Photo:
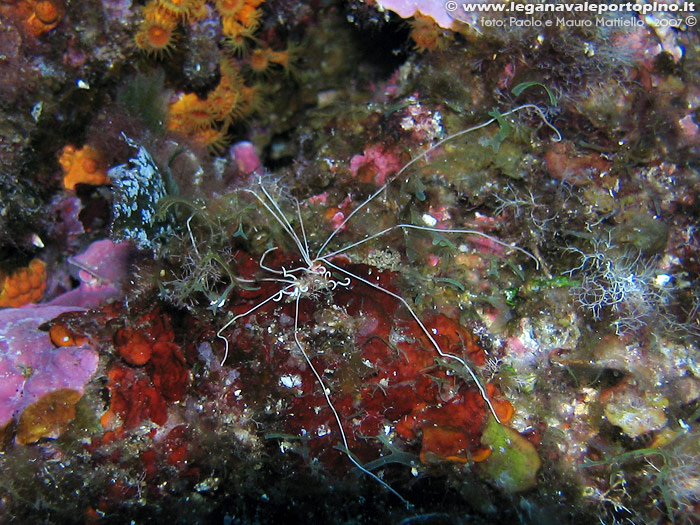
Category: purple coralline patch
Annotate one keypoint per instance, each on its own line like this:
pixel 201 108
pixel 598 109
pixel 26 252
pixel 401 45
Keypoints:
pixel 67 226
pixel 117 9
pixel 31 366
pixel 102 267
pixel 104 260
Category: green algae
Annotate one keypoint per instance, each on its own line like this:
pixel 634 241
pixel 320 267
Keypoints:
pixel 143 96
pixel 514 462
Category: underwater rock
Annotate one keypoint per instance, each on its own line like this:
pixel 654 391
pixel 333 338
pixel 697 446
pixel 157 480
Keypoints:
pixel 635 412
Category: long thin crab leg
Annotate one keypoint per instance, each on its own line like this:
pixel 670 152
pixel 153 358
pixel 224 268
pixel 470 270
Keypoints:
pixel 303 231
pixel 326 394
pixel 285 272
pixel 189 231
pixel 429 229
pixel 277 296
pixel 303 249
pixel 275 211
pixel 427 333
pixel 427 152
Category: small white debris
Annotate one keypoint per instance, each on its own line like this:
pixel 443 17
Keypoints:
pixel 36 241
pixel 429 220
pixel 290 381
pixel 36 110
pixel 662 280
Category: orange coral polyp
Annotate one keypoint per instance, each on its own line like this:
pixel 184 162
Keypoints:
pixel 229 8
pixel 249 17
pixel 200 118
pixel 238 39
pixel 230 74
pixel 199 10
pixel 206 120
pixel 181 9
pixel 425 33
pixel 281 58
pixel 259 60
pixel 222 103
pixel 250 100
pixel 155 38
pixel 153 13
pixel 232 28
pixel 214 139
pixel 158 36
pixel 189 114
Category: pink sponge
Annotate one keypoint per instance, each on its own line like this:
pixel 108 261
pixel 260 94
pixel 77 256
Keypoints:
pixel 407 8
pixel 31 366
pixel 444 13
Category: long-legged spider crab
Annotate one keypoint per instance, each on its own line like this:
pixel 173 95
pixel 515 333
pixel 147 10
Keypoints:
pixel 325 271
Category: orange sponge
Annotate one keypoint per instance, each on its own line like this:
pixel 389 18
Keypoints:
pixel 47 417
pixel 82 166
pixel 46 15
pixel 23 286
pixel 37 16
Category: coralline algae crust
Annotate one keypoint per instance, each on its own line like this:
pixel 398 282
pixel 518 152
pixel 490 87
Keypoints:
pixel 31 367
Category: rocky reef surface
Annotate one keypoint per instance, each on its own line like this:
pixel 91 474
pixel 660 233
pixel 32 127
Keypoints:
pixel 353 262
